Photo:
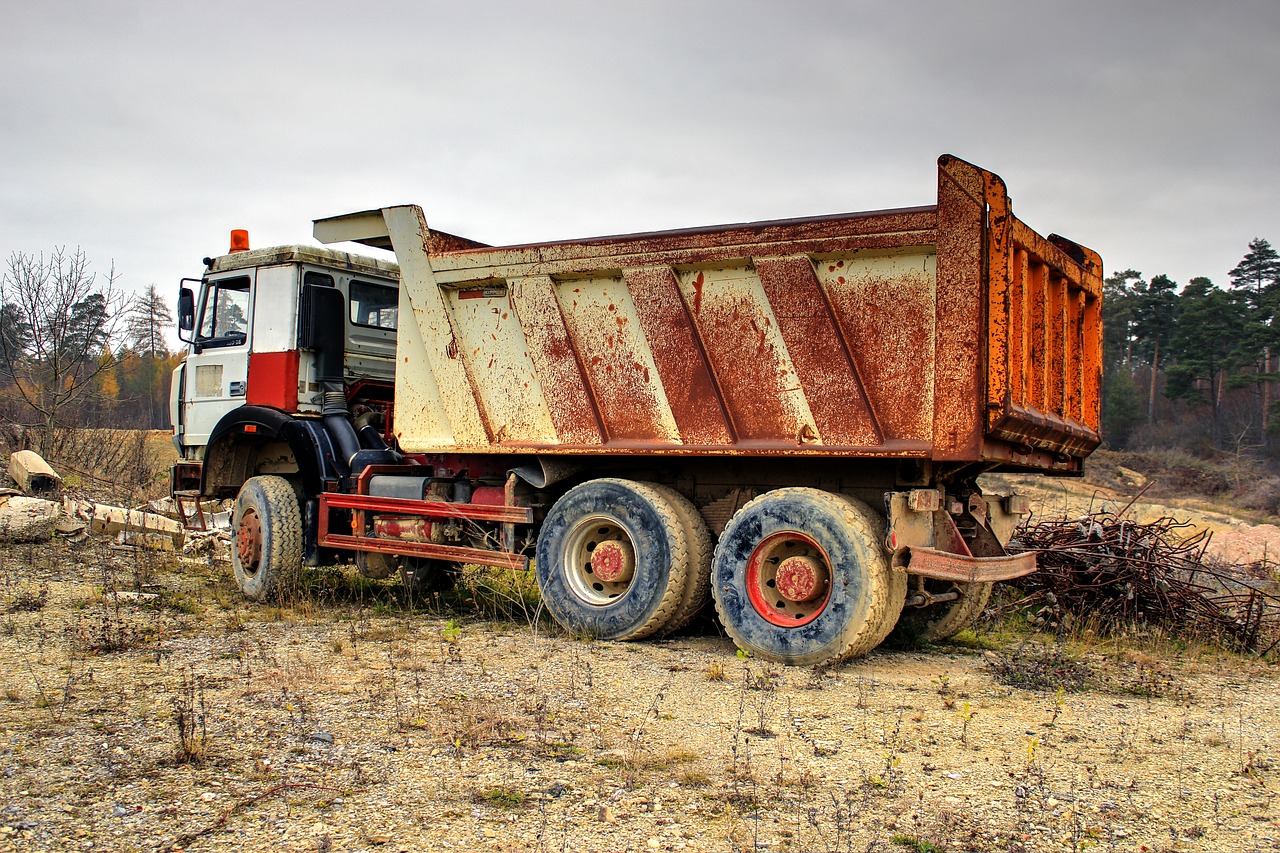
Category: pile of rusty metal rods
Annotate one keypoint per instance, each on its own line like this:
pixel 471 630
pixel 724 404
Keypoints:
pixel 1115 571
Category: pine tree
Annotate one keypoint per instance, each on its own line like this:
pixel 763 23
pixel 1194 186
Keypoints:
pixel 1257 279
pixel 149 317
pixel 1119 393
pixel 1209 344
pixel 1155 318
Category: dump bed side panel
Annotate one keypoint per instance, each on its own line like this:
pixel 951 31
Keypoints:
pixel 950 332
pixel 815 336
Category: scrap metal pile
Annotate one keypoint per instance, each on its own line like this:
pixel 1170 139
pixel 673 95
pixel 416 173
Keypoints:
pixel 1118 572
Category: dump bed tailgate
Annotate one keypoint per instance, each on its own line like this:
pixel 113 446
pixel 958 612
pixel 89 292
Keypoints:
pixel 1044 338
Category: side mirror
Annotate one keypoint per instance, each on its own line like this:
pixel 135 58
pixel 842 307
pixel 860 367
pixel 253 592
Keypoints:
pixel 186 310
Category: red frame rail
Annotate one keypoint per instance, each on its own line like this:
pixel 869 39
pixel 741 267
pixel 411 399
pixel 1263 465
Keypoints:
pixel 362 503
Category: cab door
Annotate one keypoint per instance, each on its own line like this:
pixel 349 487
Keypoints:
pixel 217 363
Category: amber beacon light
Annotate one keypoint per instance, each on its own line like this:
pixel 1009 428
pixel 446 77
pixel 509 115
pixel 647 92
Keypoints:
pixel 239 240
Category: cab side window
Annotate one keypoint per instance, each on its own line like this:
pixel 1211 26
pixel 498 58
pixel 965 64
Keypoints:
pixel 374 305
pixel 224 316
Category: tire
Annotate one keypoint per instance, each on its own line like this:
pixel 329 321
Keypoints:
pixel 375 565
pixel 697 589
pixel 644 582
pixel 921 625
pixel 898 582
pixel 842 586
pixel 421 575
pixel 266 551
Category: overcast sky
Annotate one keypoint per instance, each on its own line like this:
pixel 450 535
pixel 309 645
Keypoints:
pixel 144 131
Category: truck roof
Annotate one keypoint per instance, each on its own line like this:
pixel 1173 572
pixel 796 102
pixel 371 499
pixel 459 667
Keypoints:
pixel 277 255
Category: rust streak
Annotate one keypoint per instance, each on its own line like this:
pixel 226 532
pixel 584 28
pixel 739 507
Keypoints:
pixel 696 401
pixel 572 408
pixel 828 371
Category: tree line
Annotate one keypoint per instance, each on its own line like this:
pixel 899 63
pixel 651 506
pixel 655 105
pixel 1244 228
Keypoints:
pixel 1194 368
pixel 76 352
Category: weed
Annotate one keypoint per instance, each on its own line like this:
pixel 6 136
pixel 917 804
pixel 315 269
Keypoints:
pixel 502 797
pixel 104 626
pixel 189 714
pixel 28 601
pixel 919 845
pixel 1059 703
pixel 498 593
pixel 714 671
pixel 1031 666
pixel 693 778
pixel 971 639
pixel 1145 676
pixel 966 715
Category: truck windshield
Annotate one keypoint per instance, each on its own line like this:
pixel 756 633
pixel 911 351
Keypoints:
pixel 224 317
pixel 374 305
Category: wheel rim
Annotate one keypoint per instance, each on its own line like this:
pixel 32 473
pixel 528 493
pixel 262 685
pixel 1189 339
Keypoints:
pixel 249 542
pixel 600 560
pixel 788 579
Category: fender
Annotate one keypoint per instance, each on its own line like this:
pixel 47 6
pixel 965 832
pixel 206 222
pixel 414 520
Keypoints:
pixel 243 430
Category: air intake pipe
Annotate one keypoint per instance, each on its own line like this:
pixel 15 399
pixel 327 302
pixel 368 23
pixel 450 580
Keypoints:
pixel 336 419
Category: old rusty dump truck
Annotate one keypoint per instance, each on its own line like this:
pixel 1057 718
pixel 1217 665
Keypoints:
pixel 787 417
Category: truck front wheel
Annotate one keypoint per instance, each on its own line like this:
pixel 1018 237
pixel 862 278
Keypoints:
pixel 612 560
pixel 266 550
pixel 800 577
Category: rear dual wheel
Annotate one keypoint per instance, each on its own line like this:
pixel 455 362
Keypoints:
pixel 800 576
pixel 938 622
pixel 613 560
pixel 700 546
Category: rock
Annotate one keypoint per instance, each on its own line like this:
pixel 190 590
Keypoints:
pixel 605 815
pixel 137 597
pixel 25 519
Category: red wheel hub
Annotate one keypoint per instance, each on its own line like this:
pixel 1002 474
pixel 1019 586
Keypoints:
pixel 249 541
pixel 801 579
pixel 611 562
pixel 788 579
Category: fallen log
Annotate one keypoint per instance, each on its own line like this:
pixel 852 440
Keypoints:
pixel 33 475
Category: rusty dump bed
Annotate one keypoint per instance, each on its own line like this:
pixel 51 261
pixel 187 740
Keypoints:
pixel 949 332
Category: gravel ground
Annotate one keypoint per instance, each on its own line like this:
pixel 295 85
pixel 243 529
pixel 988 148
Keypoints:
pixel 194 721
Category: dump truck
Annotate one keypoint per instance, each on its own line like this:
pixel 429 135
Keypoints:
pixel 788 418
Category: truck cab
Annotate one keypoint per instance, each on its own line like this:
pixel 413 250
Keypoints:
pixel 253 346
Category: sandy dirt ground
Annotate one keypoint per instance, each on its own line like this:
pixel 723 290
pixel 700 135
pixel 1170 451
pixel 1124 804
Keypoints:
pixel 192 720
